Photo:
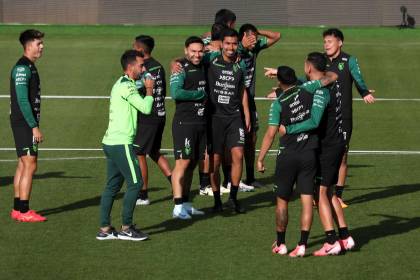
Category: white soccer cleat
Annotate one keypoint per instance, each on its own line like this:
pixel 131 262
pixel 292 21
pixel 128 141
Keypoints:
pixel 179 212
pixel 245 188
pixel 143 202
pixel 224 189
pixel 347 244
pixel 207 191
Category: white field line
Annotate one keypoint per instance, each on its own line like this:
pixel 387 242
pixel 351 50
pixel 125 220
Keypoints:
pixel 356 152
pixel 169 98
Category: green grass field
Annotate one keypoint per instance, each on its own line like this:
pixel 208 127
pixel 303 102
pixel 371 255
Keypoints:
pixel 383 191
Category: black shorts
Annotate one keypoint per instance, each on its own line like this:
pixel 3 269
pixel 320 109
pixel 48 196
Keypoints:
pixel 149 138
pixel 329 160
pixel 347 127
pixel 24 141
pixel 189 141
pixel 227 133
pixel 295 167
pixel 253 113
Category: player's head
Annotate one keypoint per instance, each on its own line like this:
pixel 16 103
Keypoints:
pixel 132 63
pixel 229 39
pixel 248 30
pixel 216 31
pixel 333 41
pixel 315 62
pixel 32 42
pixel 144 43
pixel 226 17
pixel 194 49
pixel 286 76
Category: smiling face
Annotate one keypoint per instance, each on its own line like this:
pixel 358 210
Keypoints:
pixel 229 47
pixel 194 53
pixel 332 46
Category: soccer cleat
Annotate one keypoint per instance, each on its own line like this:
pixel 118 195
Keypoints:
pixel 14 214
pixel 191 210
pixel 328 249
pixel 132 233
pixel 342 203
pixel 224 189
pixel 217 208
pixel 245 188
pixel 207 191
pixel 107 235
pixel 30 217
pixel 255 184
pixel 299 251
pixel 179 212
pixel 143 202
pixel 235 205
pixel 279 250
pixel 347 244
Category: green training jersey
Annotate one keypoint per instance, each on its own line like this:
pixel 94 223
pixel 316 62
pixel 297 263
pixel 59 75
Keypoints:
pixel 124 103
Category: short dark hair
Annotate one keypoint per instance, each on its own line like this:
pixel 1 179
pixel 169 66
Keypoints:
pixel 246 27
pixel 229 32
pixel 318 60
pixel 224 16
pixel 147 42
pixel 334 32
pixel 286 75
pixel 193 40
pixel 128 57
pixel 30 35
pixel 216 31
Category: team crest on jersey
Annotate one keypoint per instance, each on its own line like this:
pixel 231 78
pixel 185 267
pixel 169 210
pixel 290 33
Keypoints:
pixel 341 66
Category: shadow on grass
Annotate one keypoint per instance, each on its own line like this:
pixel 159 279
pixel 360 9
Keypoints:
pixel 384 192
pixel 8 180
pixel 390 225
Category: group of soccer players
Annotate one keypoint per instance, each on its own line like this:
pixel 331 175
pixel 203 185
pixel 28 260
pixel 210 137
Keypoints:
pixel 215 125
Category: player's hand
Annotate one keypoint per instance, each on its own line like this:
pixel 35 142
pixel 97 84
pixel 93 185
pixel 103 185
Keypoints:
pixel 332 76
pixel 247 125
pixel 148 84
pixel 270 72
pixel 211 48
pixel 176 67
pixel 369 99
pixel 260 166
pixel 36 132
pixel 272 95
pixel 282 130
pixel 249 41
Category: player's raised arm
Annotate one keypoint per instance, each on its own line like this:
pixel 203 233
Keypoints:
pixel 272 36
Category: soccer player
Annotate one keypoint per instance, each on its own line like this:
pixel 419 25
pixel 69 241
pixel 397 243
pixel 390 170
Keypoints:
pixel 188 89
pixel 25 105
pixel 225 17
pixel 330 153
pixel 252 42
pixel 117 143
pixel 348 71
pixel 296 160
pixel 228 98
pixel 150 127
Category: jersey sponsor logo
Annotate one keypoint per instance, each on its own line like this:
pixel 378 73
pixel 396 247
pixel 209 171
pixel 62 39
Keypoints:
pixel 226 78
pixel 223 99
pixel 20 69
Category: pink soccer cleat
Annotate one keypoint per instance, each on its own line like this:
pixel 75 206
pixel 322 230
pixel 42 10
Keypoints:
pixel 299 251
pixel 328 249
pixel 347 244
pixel 280 250
pixel 31 217
pixel 14 214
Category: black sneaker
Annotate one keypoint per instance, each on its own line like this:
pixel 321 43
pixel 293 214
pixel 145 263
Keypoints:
pixel 217 208
pixel 107 235
pixel 132 233
pixel 235 205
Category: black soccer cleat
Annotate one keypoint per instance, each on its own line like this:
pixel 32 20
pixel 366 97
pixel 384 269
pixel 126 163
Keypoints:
pixel 236 206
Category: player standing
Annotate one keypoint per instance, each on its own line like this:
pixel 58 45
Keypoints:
pixel 25 112
pixel 122 163
pixel 150 127
pixel 348 71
